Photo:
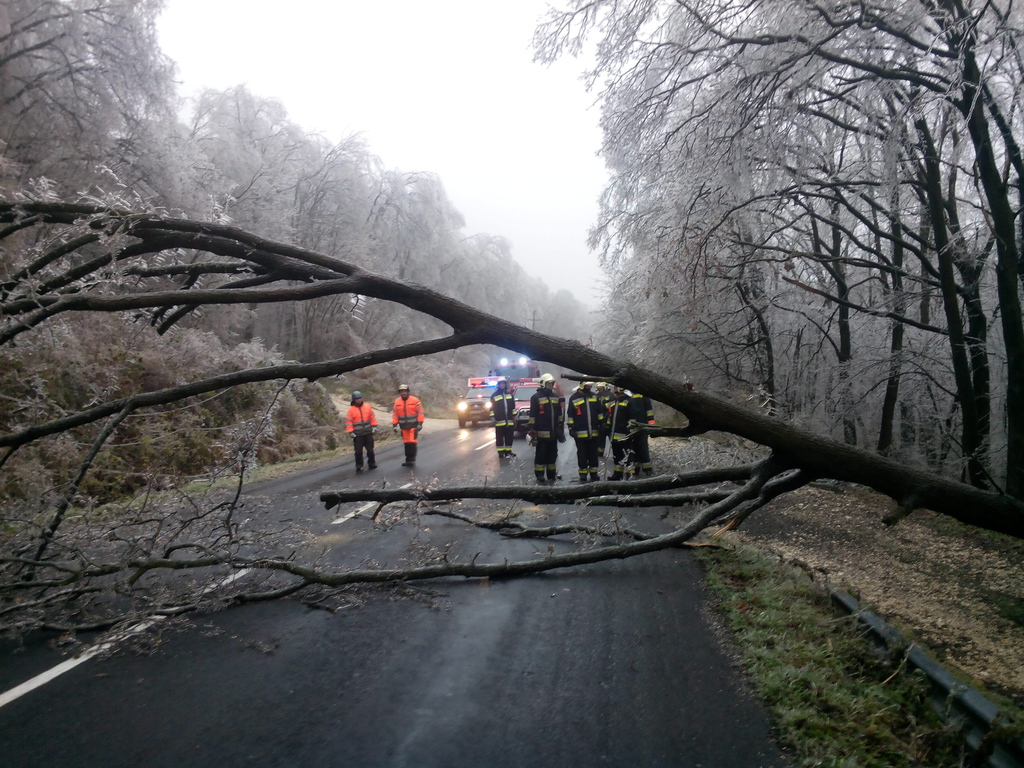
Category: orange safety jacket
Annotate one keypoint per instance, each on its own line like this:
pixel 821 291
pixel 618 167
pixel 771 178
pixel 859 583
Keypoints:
pixel 408 414
pixel 360 419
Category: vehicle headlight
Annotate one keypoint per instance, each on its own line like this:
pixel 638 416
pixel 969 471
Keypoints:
pixel 461 406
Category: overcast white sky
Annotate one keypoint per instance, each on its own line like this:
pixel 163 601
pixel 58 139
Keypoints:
pixel 447 86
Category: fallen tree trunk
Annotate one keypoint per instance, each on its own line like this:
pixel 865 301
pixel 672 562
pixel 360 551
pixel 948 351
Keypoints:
pixel 910 487
pixel 544 495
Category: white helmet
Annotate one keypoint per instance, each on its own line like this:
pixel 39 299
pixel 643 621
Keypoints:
pixel 546 378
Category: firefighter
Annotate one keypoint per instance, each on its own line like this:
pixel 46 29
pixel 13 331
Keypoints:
pixel 546 429
pixel 361 424
pixel 604 396
pixel 408 416
pixel 586 417
pixel 643 413
pixel 504 409
pixel 620 414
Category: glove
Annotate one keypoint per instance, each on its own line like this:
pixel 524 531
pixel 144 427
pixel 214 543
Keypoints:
pixel 373 431
pixel 394 428
pixel 353 436
pixel 419 428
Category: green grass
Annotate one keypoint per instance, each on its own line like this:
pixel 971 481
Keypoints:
pixel 834 699
pixel 1010 607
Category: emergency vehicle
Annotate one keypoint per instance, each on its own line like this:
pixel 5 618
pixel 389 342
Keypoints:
pixel 523 391
pixel 516 371
pixel 476 406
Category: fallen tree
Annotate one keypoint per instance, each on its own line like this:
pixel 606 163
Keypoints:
pixel 103 260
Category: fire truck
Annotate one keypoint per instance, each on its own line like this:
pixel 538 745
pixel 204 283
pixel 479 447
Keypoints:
pixel 515 371
pixel 476 406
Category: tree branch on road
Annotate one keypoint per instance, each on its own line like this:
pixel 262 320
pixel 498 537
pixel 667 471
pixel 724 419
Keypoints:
pixel 124 555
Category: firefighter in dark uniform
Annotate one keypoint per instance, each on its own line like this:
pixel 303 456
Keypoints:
pixel 504 410
pixel 547 428
pixel 604 394
pixel 586 417
pixel 643 413
pixel 620 414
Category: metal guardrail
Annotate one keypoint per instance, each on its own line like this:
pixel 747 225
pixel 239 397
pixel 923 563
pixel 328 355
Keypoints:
pixel 955 701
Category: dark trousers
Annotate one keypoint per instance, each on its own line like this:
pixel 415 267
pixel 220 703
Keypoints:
pixel 642 452
pixel 410 453
pixel 622 455
pixel 546 459
pixel 503 437
pixel 364 441
pixel 587 457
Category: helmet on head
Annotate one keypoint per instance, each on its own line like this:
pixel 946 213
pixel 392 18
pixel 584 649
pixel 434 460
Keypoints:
pixel 403 387
pixel 546 378
pixel 357 395
pixel 587 384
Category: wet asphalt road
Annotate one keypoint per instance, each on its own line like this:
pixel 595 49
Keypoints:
pixel 614 664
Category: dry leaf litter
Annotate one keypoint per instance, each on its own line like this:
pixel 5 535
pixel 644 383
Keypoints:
pixel 956 590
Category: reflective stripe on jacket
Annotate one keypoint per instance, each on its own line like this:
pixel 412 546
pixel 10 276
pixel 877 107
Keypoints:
pixel 643 408
pixel 408 413
pixel 546 414
pixel 620 413
pixel 360 419
pixel 585 415
pixel 504 407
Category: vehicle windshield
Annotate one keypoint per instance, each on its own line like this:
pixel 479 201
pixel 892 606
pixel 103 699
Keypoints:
pixel 481 392
pixel 524 393
pixel 514 372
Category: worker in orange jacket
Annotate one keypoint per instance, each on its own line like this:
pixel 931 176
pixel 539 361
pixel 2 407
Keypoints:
pixel 408 416
pixel 361 423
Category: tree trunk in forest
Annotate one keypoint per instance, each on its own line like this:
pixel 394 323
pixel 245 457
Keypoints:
pixel 886 425
pixel 971 437
pixel 1003 219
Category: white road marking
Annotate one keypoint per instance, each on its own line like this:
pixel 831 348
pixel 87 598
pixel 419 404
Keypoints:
pixel 42 679
pixel 488 444
pixel 52 674
pixel 363 508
